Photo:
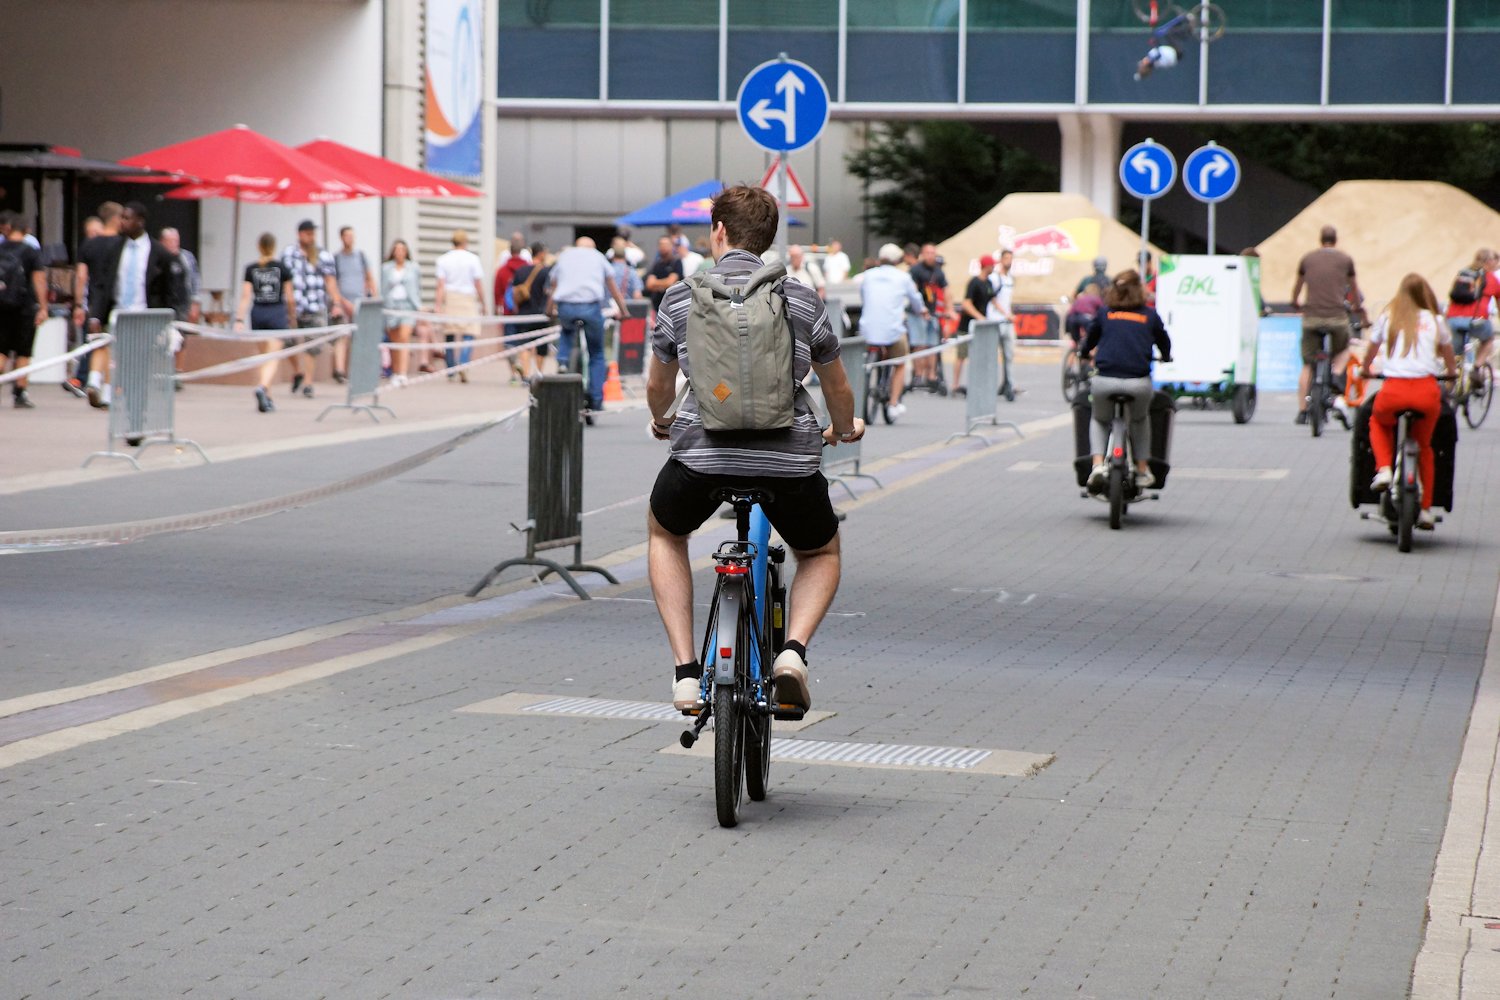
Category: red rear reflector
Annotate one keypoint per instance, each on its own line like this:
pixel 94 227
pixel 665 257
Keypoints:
pixel 725 652
pixel 1119 453
pixel 732 570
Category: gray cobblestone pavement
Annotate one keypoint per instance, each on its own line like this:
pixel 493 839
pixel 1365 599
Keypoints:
pixel 1256 705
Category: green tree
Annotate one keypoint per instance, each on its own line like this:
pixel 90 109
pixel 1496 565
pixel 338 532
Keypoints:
pixel 1464 154
pixel 930 179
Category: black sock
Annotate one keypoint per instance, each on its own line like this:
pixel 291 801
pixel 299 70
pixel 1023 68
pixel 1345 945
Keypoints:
pixel 797 648
pixel 689 671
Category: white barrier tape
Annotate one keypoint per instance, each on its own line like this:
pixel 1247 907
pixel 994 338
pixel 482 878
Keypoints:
pixel 450 319
pixel 36 366
pixel 922 353
pixel 221 333
pixel 256 360
pixel 44 540
pixel 449 345
pixel 407 383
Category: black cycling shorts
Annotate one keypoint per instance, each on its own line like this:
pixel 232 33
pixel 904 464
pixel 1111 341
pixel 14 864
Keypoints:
pixel 17 332
pixel 800 510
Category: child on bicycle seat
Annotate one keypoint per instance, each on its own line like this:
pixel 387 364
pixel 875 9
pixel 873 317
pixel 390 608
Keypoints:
pixel 1123 333
pixel 786 462
pixel 1417 348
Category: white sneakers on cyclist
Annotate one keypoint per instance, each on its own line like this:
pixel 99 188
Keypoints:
pixel 896 411
pixel 1144 480
pixel 687 694
pixel 1097 475
pixel 789 673
pixel 1382 480
pixel 1426 519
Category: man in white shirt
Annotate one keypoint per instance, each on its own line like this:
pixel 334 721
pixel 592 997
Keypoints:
pixel 692 261
pixel 887 294
pixel 460 292
pixel 836 263
pixel 580 281
pixel 1004 286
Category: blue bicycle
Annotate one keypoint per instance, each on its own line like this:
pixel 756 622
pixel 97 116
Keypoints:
pixel 746 629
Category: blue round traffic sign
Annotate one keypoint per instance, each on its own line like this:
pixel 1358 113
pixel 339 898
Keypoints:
pixel 1211 173
pixel 1147 170
pixel 783 105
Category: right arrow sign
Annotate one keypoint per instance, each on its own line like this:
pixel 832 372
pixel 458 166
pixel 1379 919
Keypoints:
pixel 1211 173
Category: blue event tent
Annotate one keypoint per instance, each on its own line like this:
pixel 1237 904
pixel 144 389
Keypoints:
pixel 688 207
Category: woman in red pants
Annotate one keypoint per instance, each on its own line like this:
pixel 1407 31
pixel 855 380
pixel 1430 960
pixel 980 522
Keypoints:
pixel 1414 346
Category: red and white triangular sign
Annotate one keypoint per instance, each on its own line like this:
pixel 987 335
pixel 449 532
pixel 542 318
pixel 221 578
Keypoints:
pixel 795 196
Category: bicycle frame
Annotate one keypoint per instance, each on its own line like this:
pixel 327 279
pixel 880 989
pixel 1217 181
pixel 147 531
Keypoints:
pixel 739 580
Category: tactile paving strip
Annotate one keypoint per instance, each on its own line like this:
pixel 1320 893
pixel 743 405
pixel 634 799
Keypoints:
pixel 604 708
pixel 955 758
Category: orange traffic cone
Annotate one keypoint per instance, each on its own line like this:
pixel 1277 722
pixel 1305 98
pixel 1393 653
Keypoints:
pixel 612 391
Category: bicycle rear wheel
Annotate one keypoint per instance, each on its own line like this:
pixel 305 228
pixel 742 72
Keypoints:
pixel 1210 18
pixel 1116 495
pixel 872 391
pixel 729 752
pixel 1480 390
pixel 1406 502
pixel 758 725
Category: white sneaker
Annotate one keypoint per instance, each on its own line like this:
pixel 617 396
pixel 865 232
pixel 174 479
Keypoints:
pixel 1144 480
pixel 687 694
pixel 1426 519
pixel 896 411
pixel 789 673
pixel 1382 481
pixel 1097 475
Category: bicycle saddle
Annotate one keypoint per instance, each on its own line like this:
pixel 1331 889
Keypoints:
pixel 737 496
pixel 1121 397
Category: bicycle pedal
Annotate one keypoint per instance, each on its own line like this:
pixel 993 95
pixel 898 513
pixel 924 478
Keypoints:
pixel 788 713
pixel 691 711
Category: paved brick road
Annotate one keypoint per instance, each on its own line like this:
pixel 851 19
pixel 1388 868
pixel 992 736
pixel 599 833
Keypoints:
pixel 1256 705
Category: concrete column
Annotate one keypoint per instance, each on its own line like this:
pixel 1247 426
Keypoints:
pixel 1104 151
pixel 1090 154
pixel 425 224
pixel 1076 164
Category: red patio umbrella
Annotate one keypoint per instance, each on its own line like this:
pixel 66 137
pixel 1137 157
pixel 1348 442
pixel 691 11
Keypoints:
pixel 242 164
pixel 387 177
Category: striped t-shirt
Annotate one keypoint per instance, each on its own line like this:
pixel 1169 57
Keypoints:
pixel 793 452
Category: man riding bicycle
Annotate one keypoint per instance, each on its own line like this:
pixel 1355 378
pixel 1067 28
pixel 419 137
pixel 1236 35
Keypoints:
pixel 783 463
pixel 1328 275
pixel 887 294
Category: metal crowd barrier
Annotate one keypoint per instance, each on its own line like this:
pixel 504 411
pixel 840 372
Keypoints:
pixel 143 374
pixel 364 362
pixel 554 483
pixel 984 381
pixel 841 464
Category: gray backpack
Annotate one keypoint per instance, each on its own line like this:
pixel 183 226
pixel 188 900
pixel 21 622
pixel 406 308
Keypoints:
pixel 740 350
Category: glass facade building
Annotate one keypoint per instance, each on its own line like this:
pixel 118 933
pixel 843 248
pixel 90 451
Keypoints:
pixel 1370 57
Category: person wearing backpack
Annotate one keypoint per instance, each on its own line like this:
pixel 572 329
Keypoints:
pixel 743 316
pixel 1469 304
pixel 23 304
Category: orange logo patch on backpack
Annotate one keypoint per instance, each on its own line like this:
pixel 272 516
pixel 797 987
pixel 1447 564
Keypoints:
pixel 722 392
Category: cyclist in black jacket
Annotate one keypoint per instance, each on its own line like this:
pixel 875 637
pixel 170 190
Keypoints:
pixel 1123 333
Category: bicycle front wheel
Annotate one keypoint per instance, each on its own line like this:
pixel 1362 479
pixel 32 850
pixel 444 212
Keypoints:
pixel 1480 390
pixel 729 752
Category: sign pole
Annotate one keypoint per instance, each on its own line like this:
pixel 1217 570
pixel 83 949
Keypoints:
pixel 782 166
pixel 1140 260
pixel 1213 243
